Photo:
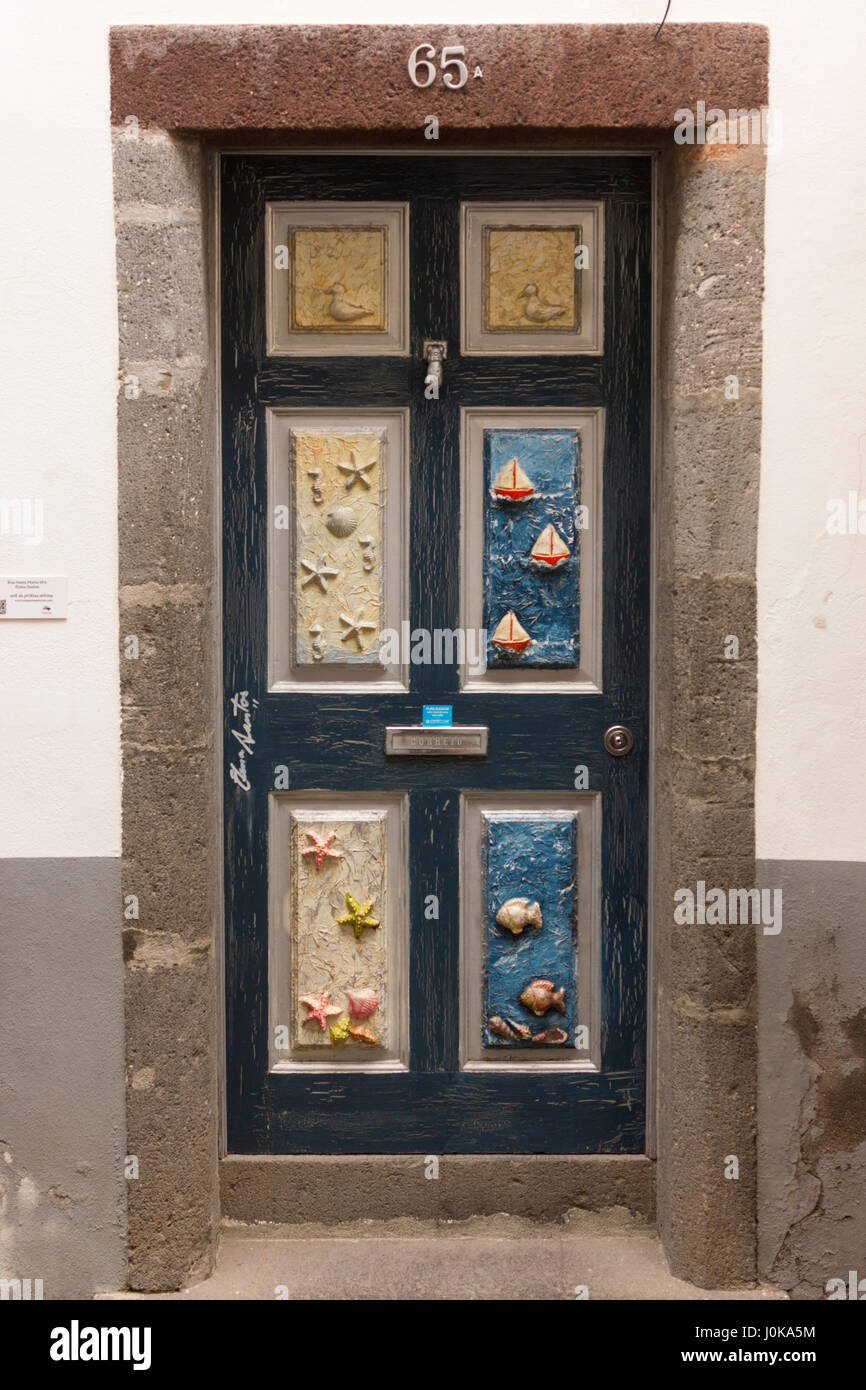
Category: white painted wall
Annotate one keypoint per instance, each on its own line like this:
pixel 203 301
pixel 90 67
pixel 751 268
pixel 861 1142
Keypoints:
pixel 60 769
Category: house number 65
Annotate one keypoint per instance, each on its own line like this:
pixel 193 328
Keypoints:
pixel 451 58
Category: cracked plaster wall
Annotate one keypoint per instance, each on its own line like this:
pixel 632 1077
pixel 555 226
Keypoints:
pixel 812 1078
pixel 62 1185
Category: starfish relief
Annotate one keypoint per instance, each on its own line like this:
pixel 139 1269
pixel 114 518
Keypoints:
pixel 321 848
pixel 358 916
pixel 355 626
pixel 320 1007
pixel 318 574
pixel 357 472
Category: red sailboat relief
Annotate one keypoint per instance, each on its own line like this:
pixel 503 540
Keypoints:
pixel 509 634
pixel 550 549
pixel 512 484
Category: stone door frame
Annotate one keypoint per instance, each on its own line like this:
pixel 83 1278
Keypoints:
pixel 179 94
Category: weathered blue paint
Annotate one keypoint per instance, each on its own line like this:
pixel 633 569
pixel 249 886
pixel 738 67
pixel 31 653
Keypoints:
pixel 534 857
pixel 546 601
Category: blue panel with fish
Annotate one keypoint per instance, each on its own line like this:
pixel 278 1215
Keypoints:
pixel 531 960
pixel 531 549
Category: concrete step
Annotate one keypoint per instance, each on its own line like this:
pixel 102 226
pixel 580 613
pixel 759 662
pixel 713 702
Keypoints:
pixel 610 1254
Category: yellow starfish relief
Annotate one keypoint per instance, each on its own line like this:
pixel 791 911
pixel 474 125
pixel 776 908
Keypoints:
pixel 358 917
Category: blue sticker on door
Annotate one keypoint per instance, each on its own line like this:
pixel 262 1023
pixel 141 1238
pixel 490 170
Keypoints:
pixel 530 980
pixel 532 519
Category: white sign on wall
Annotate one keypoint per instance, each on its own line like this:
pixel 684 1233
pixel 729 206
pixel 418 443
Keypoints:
pixel 32 596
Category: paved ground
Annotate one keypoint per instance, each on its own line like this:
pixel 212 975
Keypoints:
pixel 610 1255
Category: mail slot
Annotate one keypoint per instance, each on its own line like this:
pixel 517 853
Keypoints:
pixel 414 741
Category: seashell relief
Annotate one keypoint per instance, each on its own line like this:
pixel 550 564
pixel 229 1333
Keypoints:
pixel 342 521
pixel 362 1002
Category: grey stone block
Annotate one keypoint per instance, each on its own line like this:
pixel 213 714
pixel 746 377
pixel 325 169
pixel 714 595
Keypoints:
pixel 166 489
pixel 171 1108
pixel 168 849
pixel 161 292
pixel 714 279
pixel 709 830
pixel 166 692
pixel 157 168
pixel 713 715
pixel 706 1115
pixel 711 496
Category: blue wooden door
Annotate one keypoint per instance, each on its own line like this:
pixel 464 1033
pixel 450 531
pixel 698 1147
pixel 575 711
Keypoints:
pixel 436 444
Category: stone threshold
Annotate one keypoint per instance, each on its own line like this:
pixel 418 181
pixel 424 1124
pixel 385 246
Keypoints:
pixel 333 1189
pixel 608 1255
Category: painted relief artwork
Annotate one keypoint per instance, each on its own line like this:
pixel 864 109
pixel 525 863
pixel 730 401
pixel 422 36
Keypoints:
pixel 340 985
pixel 529 279
pixel 530 994
pixel 531 547
pixel 339 497
pixel 337 281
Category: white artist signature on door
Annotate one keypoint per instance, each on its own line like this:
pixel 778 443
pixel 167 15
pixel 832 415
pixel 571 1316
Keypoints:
pixel 242 709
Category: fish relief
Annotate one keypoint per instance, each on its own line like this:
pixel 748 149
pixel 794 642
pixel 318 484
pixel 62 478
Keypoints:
pixel 518 913
pixel 541 996
pixel 512 484
pixel 550 550
pixel 510 635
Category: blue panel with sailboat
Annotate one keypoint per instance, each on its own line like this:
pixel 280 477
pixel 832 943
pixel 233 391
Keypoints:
pixel 531 547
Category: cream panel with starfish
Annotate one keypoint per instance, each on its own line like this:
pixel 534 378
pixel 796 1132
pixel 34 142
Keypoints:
pixel 339 481
pixel 339 935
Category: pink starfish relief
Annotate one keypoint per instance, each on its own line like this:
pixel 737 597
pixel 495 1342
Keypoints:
pixel 320 1008
pixel 322 848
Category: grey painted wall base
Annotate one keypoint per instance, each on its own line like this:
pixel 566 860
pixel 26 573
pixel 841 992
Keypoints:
pixel 334 1189
pixel 812 1078
pixel 62 1189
